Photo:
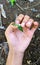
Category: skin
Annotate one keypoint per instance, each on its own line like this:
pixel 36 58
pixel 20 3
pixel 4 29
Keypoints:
pixel 17 40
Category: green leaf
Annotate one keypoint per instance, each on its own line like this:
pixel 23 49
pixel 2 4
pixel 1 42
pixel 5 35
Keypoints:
pixel 12 2
pixel 19 27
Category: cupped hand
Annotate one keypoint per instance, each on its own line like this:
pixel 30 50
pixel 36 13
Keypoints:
pixel 17 39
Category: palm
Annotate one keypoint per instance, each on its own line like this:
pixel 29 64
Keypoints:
pixel 20 40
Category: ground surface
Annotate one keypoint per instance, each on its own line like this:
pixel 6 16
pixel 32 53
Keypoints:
pixel 32 54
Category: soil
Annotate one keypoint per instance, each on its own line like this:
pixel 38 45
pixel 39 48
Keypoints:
pixel 32 54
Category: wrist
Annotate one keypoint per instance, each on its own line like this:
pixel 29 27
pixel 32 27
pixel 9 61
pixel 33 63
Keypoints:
pixel 17 57
pixel 16 53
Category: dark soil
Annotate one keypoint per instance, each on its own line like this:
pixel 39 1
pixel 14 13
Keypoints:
pixel 32 54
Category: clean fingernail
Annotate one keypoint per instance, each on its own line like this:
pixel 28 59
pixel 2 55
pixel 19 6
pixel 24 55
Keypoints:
pixel 17 22
pixel 23 24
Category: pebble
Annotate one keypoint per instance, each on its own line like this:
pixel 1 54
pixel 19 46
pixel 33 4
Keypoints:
pixel 31 1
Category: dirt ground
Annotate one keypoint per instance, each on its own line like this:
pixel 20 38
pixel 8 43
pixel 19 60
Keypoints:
pixel 32 54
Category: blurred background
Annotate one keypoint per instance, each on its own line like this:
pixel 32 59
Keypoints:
pixel 8 13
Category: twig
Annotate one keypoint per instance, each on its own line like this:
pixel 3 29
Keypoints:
pixel 19 7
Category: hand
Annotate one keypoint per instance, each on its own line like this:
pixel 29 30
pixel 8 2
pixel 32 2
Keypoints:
pixel 17 39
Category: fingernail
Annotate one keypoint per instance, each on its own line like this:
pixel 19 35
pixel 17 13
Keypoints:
pixel 23 24
pixel 17 22
pixel 28 24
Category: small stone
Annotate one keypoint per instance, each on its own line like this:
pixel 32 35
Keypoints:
pixel 38 28
pixel 38 16
pixel 28 61
pixel 31 1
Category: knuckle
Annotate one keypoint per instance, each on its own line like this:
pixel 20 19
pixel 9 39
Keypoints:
pixel 26 16
pixel 31 19
pixel 21 15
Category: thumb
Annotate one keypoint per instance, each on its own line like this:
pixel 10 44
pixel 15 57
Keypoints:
pixel 10 29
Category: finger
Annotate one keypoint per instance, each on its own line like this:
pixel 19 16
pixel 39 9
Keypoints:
pixel 26 18
pixel 35 26
pixel 29 23
pixel 19 19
